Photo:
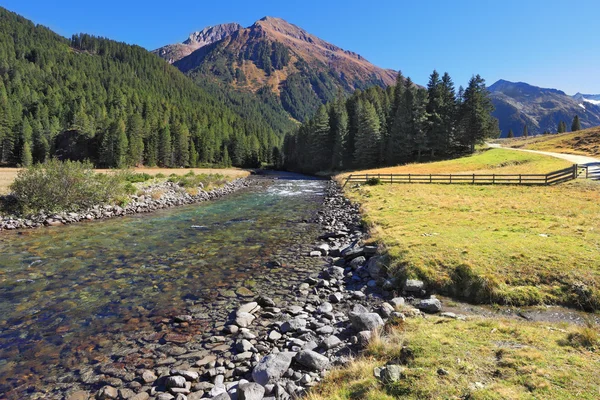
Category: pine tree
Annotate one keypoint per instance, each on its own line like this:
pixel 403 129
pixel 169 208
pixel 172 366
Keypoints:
pixel 164 147
pixel 339 127
pixel 435 130
pixel 366 150
pixel 476 122
pixel 319 153
pixel 135 139
pixel 448 113
pixel 511 134
pixel 525 131
pixel 181 140
pixel 562 127
pixel 114 146
pixel 576 125
pixel 193 155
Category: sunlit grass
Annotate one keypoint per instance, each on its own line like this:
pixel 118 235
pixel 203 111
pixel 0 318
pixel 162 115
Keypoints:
pixel 585 142
pixel 480 359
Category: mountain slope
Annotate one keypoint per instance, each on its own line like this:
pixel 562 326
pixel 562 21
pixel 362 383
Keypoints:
pixel 519 104
pixel 113 103
pixel 301 69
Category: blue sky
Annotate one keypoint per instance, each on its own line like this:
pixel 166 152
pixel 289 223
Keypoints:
pixel 550 43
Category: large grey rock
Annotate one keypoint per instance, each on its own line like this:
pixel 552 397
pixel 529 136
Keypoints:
pixel 107 392
pixel 413 286
pixel 272 367
pixel 386 309
pixel 357 262
pixel 293 324
pixel 397 301
pixel 175 382
pixel 221 396
pixel 251 308
pixel 312 360
pixel 365 321
pixel 325 307
pixel 330 342
pixel 322 248
pixel 250 391
pixel 244 319
pixel 430 305
pixel 392 373
pixel 375 268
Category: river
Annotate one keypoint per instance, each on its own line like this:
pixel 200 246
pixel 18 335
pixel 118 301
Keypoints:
pixel 68 294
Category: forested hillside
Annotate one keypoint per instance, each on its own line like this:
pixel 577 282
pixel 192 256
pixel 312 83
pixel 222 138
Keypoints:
pixel 115 104
pixel 403 123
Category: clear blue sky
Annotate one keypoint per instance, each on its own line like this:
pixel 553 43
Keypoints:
pixel 549 43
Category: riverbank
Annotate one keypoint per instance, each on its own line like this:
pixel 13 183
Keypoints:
pixel 150 198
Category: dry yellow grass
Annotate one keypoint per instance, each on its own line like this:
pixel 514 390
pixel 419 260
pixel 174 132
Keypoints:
pixel 7 176
pixel 585 142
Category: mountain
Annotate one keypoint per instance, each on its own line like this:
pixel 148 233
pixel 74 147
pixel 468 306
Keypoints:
pixel 209 35
pixel 519 104
pixel 115 104
pixel 302 70
pixel 588 98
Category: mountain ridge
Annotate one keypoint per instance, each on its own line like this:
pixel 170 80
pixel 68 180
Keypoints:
pixel 540 109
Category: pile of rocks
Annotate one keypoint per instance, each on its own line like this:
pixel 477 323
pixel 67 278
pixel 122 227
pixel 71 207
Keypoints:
pixel 269 350
pixel 155 197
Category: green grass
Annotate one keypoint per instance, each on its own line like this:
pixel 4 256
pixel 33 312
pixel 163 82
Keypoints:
pixel 483 358
pixel 493 161
pixel 494 244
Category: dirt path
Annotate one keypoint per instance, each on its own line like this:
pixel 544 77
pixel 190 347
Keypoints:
pixel 592 163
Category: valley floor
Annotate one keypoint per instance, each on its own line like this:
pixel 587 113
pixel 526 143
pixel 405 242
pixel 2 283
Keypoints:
pixel 489 244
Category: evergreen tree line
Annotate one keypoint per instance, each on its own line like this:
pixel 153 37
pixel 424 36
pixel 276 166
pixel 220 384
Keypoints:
pixel 114 104
pixel 400 124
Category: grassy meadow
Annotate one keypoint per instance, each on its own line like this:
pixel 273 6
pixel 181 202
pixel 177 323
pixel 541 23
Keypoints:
pixel 585 142
pixel 477 358
pixel 516 245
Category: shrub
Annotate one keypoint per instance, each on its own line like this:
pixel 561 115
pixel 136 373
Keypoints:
pixel 70 185
pixel 373 181
pixel 160 175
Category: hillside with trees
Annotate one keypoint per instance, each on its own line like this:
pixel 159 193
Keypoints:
pixel 116 105
pixel 400 124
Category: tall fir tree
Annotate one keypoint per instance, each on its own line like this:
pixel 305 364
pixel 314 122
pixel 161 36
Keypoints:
pixel 435 129
pixel 576 125
pixel 476 122
pixel 165 156
pixel 511 134
pixel 339 127
pixel 525 131
pixel 368 136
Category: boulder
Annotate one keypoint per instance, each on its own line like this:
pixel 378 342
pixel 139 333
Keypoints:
pixel 293 324
pixel 312 360
pixel 272 367
pixel 244 319
pixel 386 309
pixel 330 342
pixel 107 392
pixel 357 262
pixel 325 307
pixel 175 382
pixel 250 391
pixel 362 320
pixel 392 373
pixel 432 305
pixel 413 286
pixel 322 248
pixel 251 308
pixel 397 302
pixel 375 268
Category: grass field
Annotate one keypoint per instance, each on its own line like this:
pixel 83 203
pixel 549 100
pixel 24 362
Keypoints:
pixel 480 358
pixel 496 161
pixel 506 244
pixel 7 175
pixel 585 142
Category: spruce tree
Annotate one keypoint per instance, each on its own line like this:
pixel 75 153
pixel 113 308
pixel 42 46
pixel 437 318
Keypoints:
pixel 525 131
pixel 135 139
pixel 366 151
pixel 319 153
pixel 164 147
pixel 576 125
pixel 562 127
pixel 511 134
pixel 26 157
pixel 339 126
pixel 193 155
pixel 448 113
pixel 476 122
pixel 435 130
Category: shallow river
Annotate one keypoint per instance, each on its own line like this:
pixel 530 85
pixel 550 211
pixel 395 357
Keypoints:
pixel 62 289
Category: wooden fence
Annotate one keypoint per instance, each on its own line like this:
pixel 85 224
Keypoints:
pixel 551 178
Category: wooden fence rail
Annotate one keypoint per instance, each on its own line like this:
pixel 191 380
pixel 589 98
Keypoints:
pixel 551 178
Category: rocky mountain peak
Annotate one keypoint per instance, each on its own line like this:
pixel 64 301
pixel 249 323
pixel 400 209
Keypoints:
pixel 212 34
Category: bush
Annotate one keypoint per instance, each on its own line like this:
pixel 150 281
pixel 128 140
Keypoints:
pixel 373 181
pixel 70 185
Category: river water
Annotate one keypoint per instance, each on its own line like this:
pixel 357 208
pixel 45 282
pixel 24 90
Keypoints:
pixel 67 292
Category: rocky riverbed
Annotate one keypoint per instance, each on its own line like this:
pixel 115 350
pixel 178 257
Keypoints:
pixel 275 345
pixel 153 198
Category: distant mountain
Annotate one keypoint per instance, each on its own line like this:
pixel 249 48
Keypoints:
pixel 588 98
pixel 519 104
pixel 303 70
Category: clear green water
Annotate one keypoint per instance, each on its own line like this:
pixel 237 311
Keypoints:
pixel 59 287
